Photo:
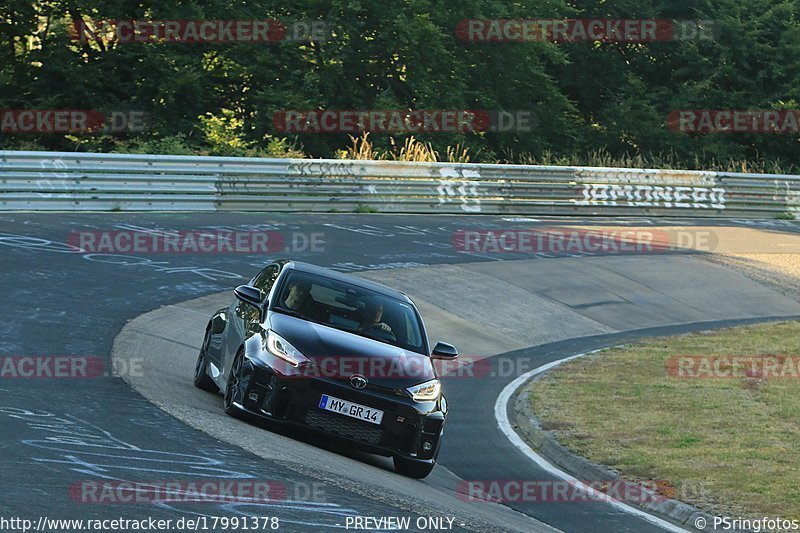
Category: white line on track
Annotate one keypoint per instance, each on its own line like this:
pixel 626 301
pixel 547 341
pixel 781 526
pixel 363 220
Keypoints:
pixel 501 415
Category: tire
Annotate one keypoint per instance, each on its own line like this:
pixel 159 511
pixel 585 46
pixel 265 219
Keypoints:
pixel 412 469
pixel 236 387
pixel 201 378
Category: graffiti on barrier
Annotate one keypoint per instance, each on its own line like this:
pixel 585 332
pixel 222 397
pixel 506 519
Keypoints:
pixel 653 196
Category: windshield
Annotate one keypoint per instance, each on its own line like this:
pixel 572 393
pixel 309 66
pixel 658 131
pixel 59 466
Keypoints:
pixel 353 309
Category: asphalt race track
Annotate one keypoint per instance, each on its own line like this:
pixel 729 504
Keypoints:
pixel 60 300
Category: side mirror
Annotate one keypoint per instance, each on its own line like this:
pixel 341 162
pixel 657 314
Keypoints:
pixel 248 294
pixel 442 350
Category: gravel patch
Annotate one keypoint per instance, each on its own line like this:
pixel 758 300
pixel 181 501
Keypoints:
pixel 778 271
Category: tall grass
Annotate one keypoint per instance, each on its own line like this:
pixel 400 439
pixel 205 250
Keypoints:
pixel 408 148
pixel 668 160
pixel 412 150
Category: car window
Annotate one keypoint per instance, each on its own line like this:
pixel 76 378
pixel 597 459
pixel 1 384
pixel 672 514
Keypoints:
pixel 411 325
pixel 266 278
pixel 352 308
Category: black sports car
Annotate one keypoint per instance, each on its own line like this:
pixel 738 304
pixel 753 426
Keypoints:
pixel 309 347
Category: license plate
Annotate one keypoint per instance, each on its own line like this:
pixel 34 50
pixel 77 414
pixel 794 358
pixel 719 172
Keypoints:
pixel 353 410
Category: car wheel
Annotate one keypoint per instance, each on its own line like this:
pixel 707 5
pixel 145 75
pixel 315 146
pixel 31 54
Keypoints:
pixel 201 378
pixel 236 387
pixel 411 468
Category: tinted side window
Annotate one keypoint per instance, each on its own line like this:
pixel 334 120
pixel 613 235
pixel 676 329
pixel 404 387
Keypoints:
pixel 266 278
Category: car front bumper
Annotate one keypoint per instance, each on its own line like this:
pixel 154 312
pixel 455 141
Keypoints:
pixel 408 429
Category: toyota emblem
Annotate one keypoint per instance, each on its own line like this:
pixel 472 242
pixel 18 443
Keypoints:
pixel 358 382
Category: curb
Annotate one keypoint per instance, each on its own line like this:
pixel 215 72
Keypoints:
pixel 528 427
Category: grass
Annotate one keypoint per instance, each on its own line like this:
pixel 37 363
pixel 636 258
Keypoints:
pixel 668 160
pixel 365 209
pixel 223 136
pixel 726 445
pixel 412 150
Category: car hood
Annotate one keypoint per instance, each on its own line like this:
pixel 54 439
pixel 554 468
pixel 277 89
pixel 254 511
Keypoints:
pixel 339 355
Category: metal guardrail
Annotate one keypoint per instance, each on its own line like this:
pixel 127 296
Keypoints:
pixel 54 181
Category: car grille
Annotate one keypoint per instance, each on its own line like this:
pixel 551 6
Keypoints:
pixel 342 426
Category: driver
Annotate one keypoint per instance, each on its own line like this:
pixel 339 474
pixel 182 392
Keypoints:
pixel 373 312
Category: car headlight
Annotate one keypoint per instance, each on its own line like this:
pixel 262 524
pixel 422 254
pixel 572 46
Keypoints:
pixel 427 391
pixel 280 347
